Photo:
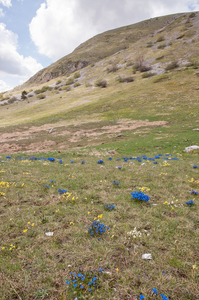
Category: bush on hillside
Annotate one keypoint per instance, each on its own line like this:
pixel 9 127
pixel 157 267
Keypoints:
pixel 76 75
pixel 172 65
pixel 58 82
pixel 76 84
pixel 12 100
pixel 69 81
pixel 101 83
pixel 24 95
pixel 112 68
pixel 126 79
pixel 160 39
pixel 162 46
pixel 40 97
pixel 43 90
pixel 149 74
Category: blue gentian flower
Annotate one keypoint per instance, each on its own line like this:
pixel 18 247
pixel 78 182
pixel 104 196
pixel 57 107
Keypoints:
pixel 51 159
pixel 190 203
pixel 155 291
pixel 194 192
pixel 140 196
pixel 100 161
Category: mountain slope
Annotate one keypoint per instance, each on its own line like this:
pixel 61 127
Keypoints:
pixel 104 45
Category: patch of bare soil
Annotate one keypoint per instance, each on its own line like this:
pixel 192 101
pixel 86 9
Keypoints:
pixel 123 125
pixel 93 134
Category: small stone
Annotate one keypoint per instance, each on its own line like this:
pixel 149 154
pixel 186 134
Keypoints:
pixel 146 256
pixel 51 130
pixel 191 148
pixel 49 233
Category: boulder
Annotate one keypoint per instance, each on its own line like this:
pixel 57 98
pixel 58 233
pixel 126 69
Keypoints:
pixel 191 148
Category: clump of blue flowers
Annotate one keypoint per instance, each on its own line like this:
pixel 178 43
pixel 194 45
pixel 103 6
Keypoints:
pixel 163 297
pixel 100 161
pixel 116 182
pixel 62 191
pixel 109 206
pixel 97 228
pixel 140 196
pixel 51 159
pixel 190 203
pixel 84 282
pixel 194 192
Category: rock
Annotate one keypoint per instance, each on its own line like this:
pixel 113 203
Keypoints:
pixel 146 256
pixel 112 152
pixel 51 130
pixel 191 148
pixel 49 233
pixel 196 129
pixel 120 135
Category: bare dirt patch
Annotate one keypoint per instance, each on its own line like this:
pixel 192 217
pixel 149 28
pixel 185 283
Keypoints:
pixel 123 125
pixel 8 145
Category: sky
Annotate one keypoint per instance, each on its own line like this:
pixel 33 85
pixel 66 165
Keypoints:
pixel 36 33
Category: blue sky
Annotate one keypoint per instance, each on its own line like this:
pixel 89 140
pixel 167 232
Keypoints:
pixel 36 33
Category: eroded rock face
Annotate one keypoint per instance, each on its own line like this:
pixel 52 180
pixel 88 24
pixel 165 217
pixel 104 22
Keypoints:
pixel 191 148
pixel 69 67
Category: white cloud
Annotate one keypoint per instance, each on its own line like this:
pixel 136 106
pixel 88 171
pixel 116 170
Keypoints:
pixel 11 62
pixel 4 86
pixel 61 25
pixel 6 3
pixel 1 12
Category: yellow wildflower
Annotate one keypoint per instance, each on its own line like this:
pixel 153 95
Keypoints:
pixel 25 230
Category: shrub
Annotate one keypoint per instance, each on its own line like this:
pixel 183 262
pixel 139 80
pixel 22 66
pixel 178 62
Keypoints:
pixel 12 100
pixel 129 64
pixel 76 84
pixel 140 66
pixel 160 57
pixel 138 62
pixel 192 15
pixel 162 46
pixel 161 79
pixel 92 65
pixel 146 75
pixel 88 84
pixel 160 39
pixel 24 95
pixel 172 65
pixel 69 81
pixel 41 96
pixel 126 79
pixel 101 83
pixel 144 68
pixel 149 44
pixel 113 68
pixel 58 82
pixel 76 75
pixel 66 88
pixel 43 90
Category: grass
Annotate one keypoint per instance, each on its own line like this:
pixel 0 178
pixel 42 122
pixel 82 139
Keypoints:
pixel 34 265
